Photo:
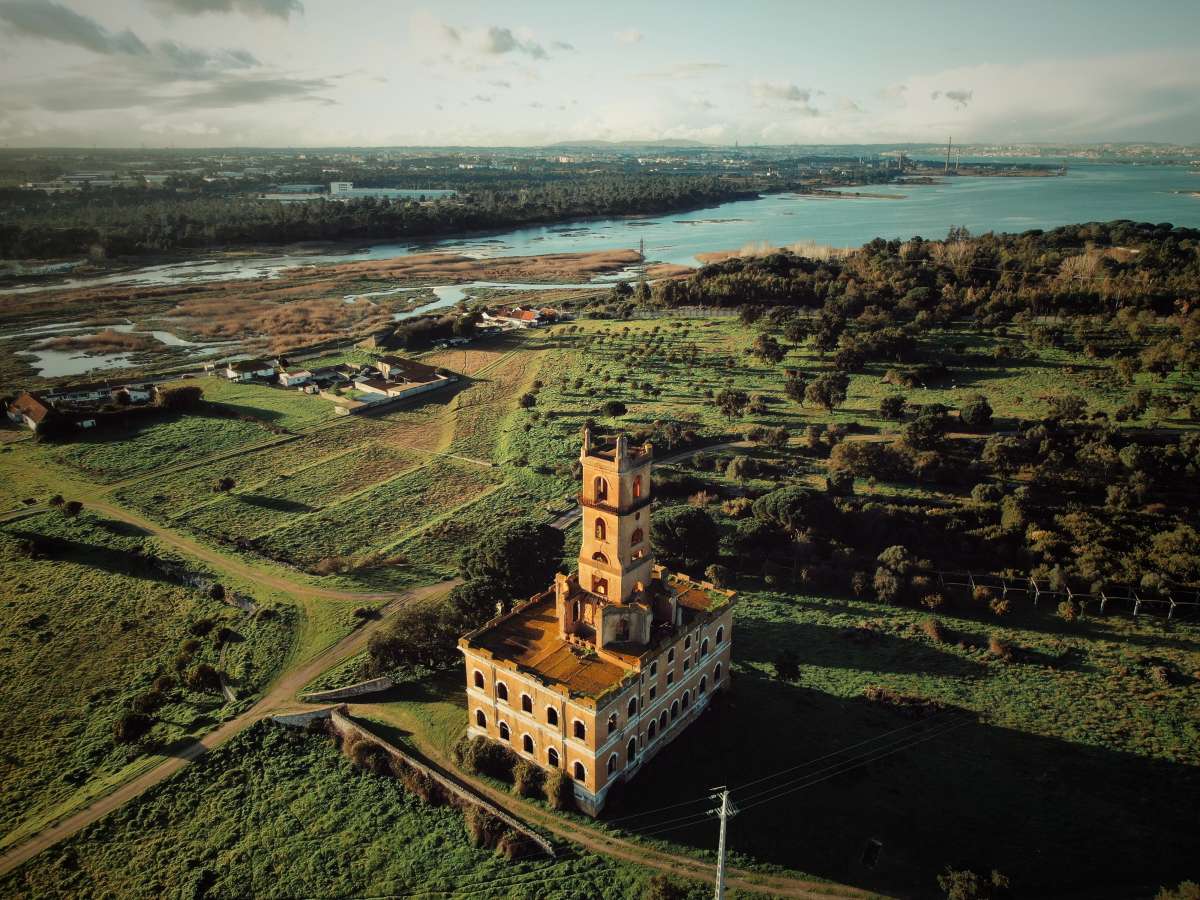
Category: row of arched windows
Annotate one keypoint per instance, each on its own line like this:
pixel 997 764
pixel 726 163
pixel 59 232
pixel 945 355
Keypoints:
pixel 600 488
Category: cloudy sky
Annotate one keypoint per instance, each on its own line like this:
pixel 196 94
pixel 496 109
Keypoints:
pixel 387 72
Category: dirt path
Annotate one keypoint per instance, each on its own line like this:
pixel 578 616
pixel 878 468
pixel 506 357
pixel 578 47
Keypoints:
pixel 281 694
pixel 607 845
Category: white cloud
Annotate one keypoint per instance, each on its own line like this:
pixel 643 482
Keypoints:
pixel 630 36
pixel 780 90
pixel 681 71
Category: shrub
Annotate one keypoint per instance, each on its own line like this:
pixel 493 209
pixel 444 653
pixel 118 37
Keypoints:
pixel 164 684
pixel 131 727
pixel 976 415
pixel 1187 890
pixel 787 666
pixel 72 508
pixel 204 678
pixel 933 602
pixel 933 630
pixel 478 755
pixel 986 492
pixel 420 785
pixel 614 408
pixel 964 884
pixel 216 591
pixel 512 846
pixel 148 702
pixel 1068 611
pixel 999 648
pixel 741 467
pixel 558 790
pixel 369 756
pixel 718 574
pixel 527 779
pixel 483 829
pixel 892 407
pixel 982 594
pixel 859 582
pixel 737 507
pixel 199 627
pixel 57 500
pixel 999 606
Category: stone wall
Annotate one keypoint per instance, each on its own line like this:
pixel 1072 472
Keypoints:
pixel 375 685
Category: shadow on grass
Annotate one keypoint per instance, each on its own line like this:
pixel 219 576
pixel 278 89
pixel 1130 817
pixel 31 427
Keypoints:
pixel 1057 818
pixel 275 503
pixel 106 559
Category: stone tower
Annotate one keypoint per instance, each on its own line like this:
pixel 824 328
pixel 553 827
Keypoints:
pixel 615 559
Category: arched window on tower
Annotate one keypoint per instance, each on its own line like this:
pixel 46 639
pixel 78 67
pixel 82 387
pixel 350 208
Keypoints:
pixel 579 772
pixel 599 586
pixel 637 537
pixel 637 487
pixel 600 489
pixel 612 723
pixel 480 718
pixel 552 757
pixel 601 530
pixel 600 557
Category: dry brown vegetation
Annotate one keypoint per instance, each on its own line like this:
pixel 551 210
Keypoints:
pixel 454 267
pixel 809 249
pixel 106 341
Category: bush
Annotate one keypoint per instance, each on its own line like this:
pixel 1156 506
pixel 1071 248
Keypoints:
pixel 558 790
pixel 1187 890
pixel 1068 611
pixel 148 702
pixel 419 784
pixel 741 467
pixel 976 415
pixel 614 408
pixel 737 507
pixel 964 884
pixel 204 678
pixel 859 582
pixel 483 829
pixel 999 606
pixel 512 846
pixel 131 727
pixel 527 779
pixel 718 574
pixel 72 508
pixel 999 648
pixel 933 630
pixel 986 492
pixel 892 407
pixel 933 602
pixel 478 755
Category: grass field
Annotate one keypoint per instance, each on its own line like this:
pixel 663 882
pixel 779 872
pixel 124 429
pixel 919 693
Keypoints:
pixel 380 516
pixel 308 825
pixel 88 623
pixel 284 408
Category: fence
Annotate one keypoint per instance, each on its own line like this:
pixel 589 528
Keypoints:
pixel 1177 602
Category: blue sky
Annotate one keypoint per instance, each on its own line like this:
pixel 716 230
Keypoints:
pixel 371 72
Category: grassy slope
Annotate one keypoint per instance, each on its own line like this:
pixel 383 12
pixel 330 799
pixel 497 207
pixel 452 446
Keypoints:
pixel 85 630
pixel 280 813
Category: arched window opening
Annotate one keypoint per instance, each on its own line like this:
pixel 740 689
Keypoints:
pixel 637 486
pixel 600 487
pixel 504 731
pixel 704 648
pixel 717 674
pixel 686 699
pixel 703 683
pixel 478 679
pixel 632 708
pixel 670 678
pixel 623 630
pixel 551 715
pixel 580 730
pixel 637 537
pixel 631 750
pixel 480 718
pixel 612 764
pixel 599 586
pixel 552 757
pixel 502 691
pixel 600 557
pixel 687 642
pixel 578 611
pixel 527 744
pixel 720 634
pixel 601 530
pixel 671 656
pixel 674 709
pixel 526 703
pixel 580 772
pixel 662 721
pixel 652 730
pixel 612 723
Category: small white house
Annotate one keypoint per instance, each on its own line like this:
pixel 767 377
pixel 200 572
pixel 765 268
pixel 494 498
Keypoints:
pixel 249 370
pixel 295 379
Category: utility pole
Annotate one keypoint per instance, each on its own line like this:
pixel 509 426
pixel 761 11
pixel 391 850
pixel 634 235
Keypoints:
pixel 726 811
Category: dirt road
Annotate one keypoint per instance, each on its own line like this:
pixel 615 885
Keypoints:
pixel 280 695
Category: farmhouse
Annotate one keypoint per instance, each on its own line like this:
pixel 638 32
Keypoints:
pixel 522 317
pixel 600 672
pixel 249 370
pixel 295 378
pixel 29 409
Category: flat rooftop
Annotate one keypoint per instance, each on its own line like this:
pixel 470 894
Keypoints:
pixel 529 638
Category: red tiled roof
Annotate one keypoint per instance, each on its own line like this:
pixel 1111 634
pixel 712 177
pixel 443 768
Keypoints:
pixel 30 405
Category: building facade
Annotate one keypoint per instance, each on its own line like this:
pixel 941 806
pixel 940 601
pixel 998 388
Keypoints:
pixel 597 674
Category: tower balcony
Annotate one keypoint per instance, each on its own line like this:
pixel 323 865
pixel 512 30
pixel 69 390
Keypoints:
pixel 614 508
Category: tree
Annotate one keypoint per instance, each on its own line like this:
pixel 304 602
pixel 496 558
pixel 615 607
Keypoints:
pixel 417 635
pixel 72 508
pixel 204 677
pixel 768 348
pixel 613 408
pixel 685 536
pixel 794 387
pixel 977 414
pixel 474 602
pixel 790 509
pixel 131 727
pixel 224 484
pixel 180 399
pixel 892 407
pixel 732 402
pixel 963 884
pixel 519 558
pixel 828 391
pixel 1068 408
pixel 926 432
pixel 527 401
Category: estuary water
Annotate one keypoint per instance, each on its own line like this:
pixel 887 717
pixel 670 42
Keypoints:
pixel 1088 192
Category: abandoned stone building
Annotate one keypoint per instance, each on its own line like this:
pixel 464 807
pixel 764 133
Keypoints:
pixel 601 671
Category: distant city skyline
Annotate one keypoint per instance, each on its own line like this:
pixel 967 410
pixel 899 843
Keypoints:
pixel 278 73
